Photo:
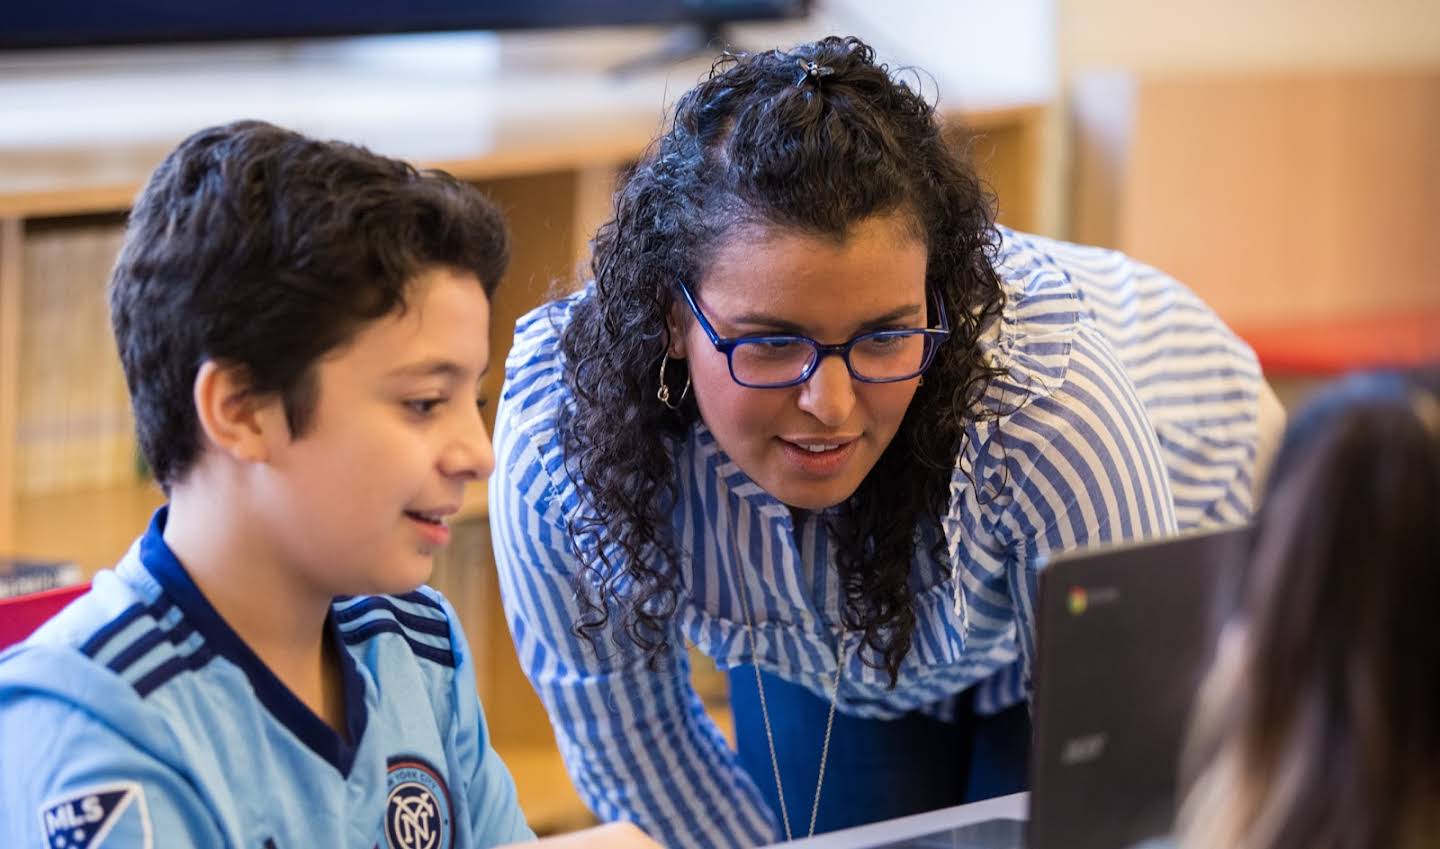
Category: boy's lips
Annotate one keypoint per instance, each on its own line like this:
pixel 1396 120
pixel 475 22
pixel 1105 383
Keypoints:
pixel 433 524
pixel 438 517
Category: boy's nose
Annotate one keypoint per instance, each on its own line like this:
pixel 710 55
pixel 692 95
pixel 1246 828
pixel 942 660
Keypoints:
pixel 471 454
pixel 829 394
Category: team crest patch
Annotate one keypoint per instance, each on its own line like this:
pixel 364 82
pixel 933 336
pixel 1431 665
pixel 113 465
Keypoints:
pixel 84 818
pixel 418 811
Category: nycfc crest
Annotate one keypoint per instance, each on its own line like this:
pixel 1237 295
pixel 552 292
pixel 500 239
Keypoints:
pixel 418 811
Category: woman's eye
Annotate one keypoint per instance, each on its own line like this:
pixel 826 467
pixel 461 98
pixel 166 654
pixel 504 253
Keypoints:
pixel 774 348
pixel 890 343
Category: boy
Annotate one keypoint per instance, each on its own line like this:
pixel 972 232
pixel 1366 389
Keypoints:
pixel 303 327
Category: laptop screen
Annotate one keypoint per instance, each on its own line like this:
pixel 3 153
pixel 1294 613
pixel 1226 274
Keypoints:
pixel 1126 636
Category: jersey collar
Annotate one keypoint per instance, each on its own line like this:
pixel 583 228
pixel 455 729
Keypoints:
pixel 162 564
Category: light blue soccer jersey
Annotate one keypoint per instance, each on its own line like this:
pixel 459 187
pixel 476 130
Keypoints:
pixel 138 718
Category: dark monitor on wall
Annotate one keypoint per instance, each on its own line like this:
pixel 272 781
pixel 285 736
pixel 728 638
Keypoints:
pixel 48 24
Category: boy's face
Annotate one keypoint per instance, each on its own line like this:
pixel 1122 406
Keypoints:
pixel 359 502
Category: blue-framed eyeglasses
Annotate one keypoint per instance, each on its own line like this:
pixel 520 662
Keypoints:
pixel 780 360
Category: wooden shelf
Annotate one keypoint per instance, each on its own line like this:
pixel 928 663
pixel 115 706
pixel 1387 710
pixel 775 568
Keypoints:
pixel 477 502
pixel 546 795
pixel 543 786
pixel 92 528
pixel 478 127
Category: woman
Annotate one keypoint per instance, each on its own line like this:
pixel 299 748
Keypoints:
pixel 1320 724
pixel 819 416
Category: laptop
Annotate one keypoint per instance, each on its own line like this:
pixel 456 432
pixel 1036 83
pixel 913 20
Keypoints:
pixel 1126 634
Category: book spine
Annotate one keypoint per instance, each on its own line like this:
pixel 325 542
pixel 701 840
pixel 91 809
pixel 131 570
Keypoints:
pixel 36 579
pixel 76 431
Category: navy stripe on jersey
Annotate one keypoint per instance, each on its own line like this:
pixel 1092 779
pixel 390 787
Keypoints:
pixel 1099 438
pixel 419 597
pixel 439 627
pixel 365 632
pixel 102 637
pixel 148 642
pixel 184 640
pixel 415 617
pixel 163 673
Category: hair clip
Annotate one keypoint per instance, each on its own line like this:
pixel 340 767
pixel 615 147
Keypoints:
pixel 812 70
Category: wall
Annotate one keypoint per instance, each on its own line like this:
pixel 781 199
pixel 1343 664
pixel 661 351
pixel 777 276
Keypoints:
pixel 1246 34
pixel 1228 36
pixel 1036 47
pixel 977 50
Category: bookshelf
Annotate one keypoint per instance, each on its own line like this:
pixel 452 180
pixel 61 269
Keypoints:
pixel 546 145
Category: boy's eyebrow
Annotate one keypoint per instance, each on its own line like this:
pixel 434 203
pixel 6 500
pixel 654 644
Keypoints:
pixel 433 368
pixel 429 368
pixel 764 320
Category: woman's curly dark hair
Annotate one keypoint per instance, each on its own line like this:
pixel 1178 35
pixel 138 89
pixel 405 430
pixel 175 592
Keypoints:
pixel 763 142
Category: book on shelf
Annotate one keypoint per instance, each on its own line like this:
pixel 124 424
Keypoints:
pixel 74 426
pixel 23 576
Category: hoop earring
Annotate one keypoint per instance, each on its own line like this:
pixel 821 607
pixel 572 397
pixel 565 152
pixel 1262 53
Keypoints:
pixel 663 393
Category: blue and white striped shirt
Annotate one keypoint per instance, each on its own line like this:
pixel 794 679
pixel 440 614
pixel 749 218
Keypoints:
pixel 1128 410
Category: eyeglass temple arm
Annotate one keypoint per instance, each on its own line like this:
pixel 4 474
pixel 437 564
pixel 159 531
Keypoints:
pixel 700 316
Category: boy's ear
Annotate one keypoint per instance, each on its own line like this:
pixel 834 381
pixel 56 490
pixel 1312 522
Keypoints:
pixel 235 419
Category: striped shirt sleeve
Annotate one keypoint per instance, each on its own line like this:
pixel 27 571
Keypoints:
pixel 1084 467
pixel 635 739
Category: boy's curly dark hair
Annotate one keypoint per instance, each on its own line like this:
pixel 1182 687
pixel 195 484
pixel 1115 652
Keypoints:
pixel 256 246
pixel 763 143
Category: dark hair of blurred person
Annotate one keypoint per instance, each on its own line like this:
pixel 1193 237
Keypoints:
pixel 1319 726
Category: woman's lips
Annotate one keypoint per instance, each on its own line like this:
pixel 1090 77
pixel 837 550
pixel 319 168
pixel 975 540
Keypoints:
pixel 822 463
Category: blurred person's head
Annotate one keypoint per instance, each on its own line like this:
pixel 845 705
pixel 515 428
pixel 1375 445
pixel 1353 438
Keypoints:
pixel 1319 726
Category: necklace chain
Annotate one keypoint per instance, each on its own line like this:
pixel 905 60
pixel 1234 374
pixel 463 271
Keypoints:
pixel 770 735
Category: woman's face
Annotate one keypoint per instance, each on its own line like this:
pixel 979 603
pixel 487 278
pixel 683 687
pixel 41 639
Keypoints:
pixel 809 445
